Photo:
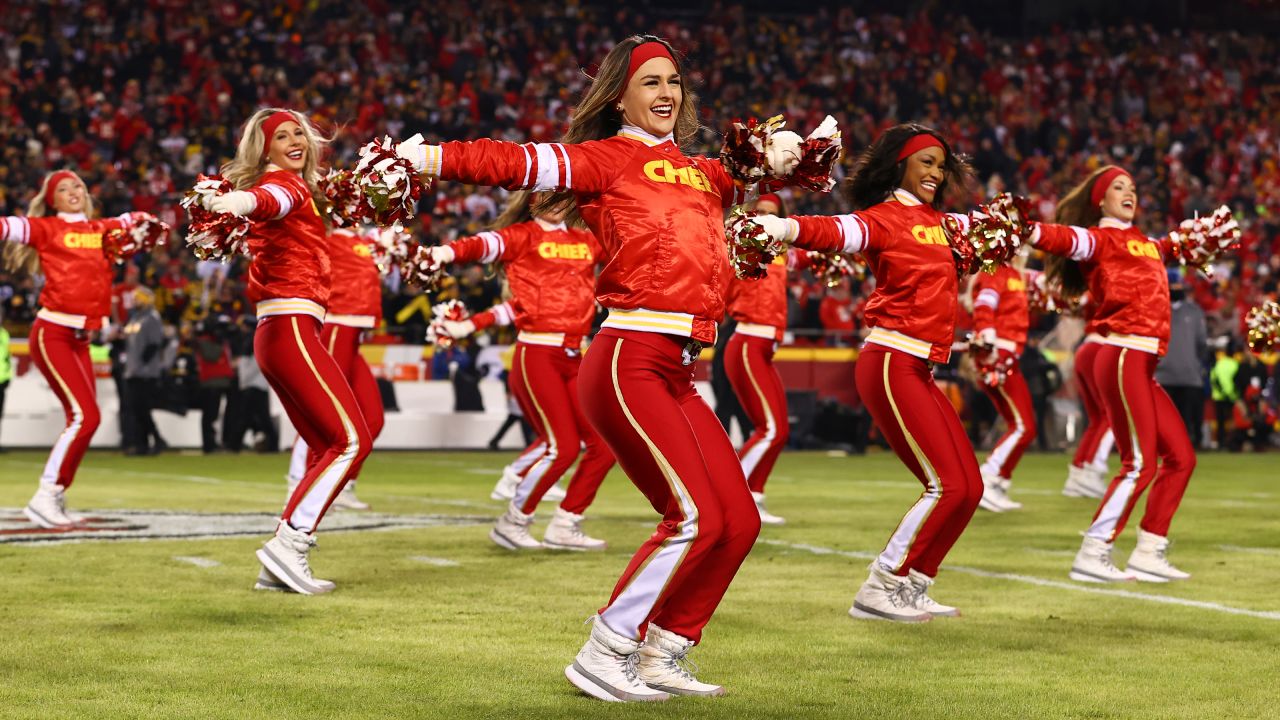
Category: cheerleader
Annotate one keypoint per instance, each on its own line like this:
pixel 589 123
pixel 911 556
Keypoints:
pixel 355 308
pixel 58 238
pixel 1000 322
pixel 1087 473
pixel 898 187
pixel 760 309
pixel 276 169
pixel 551 269
pixel 657 214
pixel 1100 249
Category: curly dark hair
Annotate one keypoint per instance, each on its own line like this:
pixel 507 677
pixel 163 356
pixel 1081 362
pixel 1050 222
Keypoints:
pixel 877 172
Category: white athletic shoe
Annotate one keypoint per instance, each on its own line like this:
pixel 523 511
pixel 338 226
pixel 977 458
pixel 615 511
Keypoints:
pixel 285 557
pixel 766 517
pixel 885 596
pixel 1097 481
pixel 507 484
pixel 511 531
pixel 1004 485
pixel 920 584
pixel 48 508
pixel 1093 564
pixel 564 532
pixel 1078 483
pixel 271 583
pixel 664 665
pixel 605 668
pixel 347 499
pixel 1149 563
pixel 993 499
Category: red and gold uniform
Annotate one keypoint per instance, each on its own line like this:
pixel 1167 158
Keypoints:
pixel 355 307
pixel 760 309
pixel 658 216
pixel 1129 290
pixel 912 314
pixel 75 299
pixel 1000 306
pixel 289 280
pixel 551 270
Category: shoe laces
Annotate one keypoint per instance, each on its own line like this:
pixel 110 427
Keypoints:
pixel 680 664
pixel 629 669
pixel 903 594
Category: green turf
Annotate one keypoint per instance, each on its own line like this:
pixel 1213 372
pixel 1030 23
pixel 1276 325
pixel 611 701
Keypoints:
pixel 123 630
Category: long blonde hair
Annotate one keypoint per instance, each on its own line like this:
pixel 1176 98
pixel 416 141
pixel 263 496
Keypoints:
pixel 23 259
pixel 597 118
pixel 250 161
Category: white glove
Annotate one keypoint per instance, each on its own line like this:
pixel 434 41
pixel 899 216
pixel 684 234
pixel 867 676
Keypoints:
pixel 458 329
pixel 236 202
pixel 782 153
pixel 985 337
pixel 414 151
pixel 442 254
pixel 781 229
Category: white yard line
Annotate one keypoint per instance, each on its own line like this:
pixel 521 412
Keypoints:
pixel 1253 550
pixel 438 562
pixel 1043 582
pixel 197 561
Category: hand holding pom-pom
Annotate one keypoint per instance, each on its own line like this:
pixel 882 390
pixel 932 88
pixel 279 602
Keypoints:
pixel 390 248
pixel 449 317
pixel 819 154
pixel 755 151
pixel 1264 328
pixel 212 234
pixel 782 153
pixel 144 233
pixel 754 242
pixel 992 236
pixel 1198 242
pixel 389 181
pixel 831 268
pixel 425 267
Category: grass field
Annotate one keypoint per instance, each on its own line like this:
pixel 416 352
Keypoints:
pixel 437 622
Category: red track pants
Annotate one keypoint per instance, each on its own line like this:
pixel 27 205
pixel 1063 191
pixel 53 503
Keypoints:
pixel 1013 400
pixel 748 363
pixel 923 429
pixel 1147 425
pixel 1096 440
pixel 320 403
pixel 640 397
pixel 62 354
pixel 544 381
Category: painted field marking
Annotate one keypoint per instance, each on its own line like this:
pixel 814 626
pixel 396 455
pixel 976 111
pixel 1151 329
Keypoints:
pixel 1253 550
pixel 1043 582
pixel 197 561
pixel 438 562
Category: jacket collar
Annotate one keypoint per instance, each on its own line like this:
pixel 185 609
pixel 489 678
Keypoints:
pixel 73 217
pixel 635 133
pixel 1107 222
pixel 906 198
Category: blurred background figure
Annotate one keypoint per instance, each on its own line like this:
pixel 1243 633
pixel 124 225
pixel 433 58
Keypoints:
pixel 144 345
pixel 1181 371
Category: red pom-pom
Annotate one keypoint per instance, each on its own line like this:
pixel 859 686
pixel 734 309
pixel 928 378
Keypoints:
pixel 993 237
pixel 421 269
pixel 819 154
pixel 391 248
pixel 994 367
pixel 145 233
pixel 751 250
pixel 832 268
pixel 1264 327
pixel 210 235
pixel 450 310
pixel 343 198
pixel 743 153
pixel 1198 242
pixel 391 186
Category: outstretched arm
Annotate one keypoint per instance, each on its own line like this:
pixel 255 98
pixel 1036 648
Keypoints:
pixel 1068 241
pixel 586 167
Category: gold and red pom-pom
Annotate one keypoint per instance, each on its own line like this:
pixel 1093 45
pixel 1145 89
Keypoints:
pixel 449 310
pixel 210 235
pixel 146 233
pixel 751 249
pixel 819 154
pixel 343 199
pixel 1198 242
pixel 743 153
pixel 832 268
pixel 421 269
pixel 995 234
pixel 1263 323
pixel 391 248
pixel 389 184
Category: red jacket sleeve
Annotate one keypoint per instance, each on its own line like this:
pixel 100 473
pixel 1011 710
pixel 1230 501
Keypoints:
pixel 986 299
pixel 500 315
pixel 852 233
pixel 33 231
pixel 587 167
pixel 278 196
pixel 1068 241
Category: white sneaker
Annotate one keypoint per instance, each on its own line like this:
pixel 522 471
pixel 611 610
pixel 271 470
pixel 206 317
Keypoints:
pixel 285 557
pixel 1093 564
pixel 885 596
pixel 554 494
pixel 511 531
pixel 507 484
pixel 1097 481
pixel 663 665
pixel 48 508
pixel 766 517
pixel 920 584
pixel 564 532
pixel 992 499
pixel 347 499
pixel 605 668
pixel 1003 485
pixel 1078 483
pixel 1149 563
pixel 271 583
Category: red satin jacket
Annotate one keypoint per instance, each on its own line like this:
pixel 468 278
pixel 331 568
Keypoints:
pixel 290 248
pixel 355 293
pixel 1000 302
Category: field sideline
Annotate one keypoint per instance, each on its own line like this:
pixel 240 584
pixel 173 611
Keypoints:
pixel 437 622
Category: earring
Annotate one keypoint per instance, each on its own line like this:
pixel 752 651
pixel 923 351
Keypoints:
pixel 618 107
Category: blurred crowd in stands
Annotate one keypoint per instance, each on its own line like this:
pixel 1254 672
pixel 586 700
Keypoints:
pixel 139 97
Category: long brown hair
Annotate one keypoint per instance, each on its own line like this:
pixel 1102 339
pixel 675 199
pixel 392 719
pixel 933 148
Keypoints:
pixel 597 118
pixel 878 172
pixel 1076 208
pixel 23 259
pixel 516 211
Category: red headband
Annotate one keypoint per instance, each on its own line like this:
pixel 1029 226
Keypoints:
pixel 271 123
pixel 51 184
pixel 643 53
pixel 1103 182
pixel 918 143
pixel 769 197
